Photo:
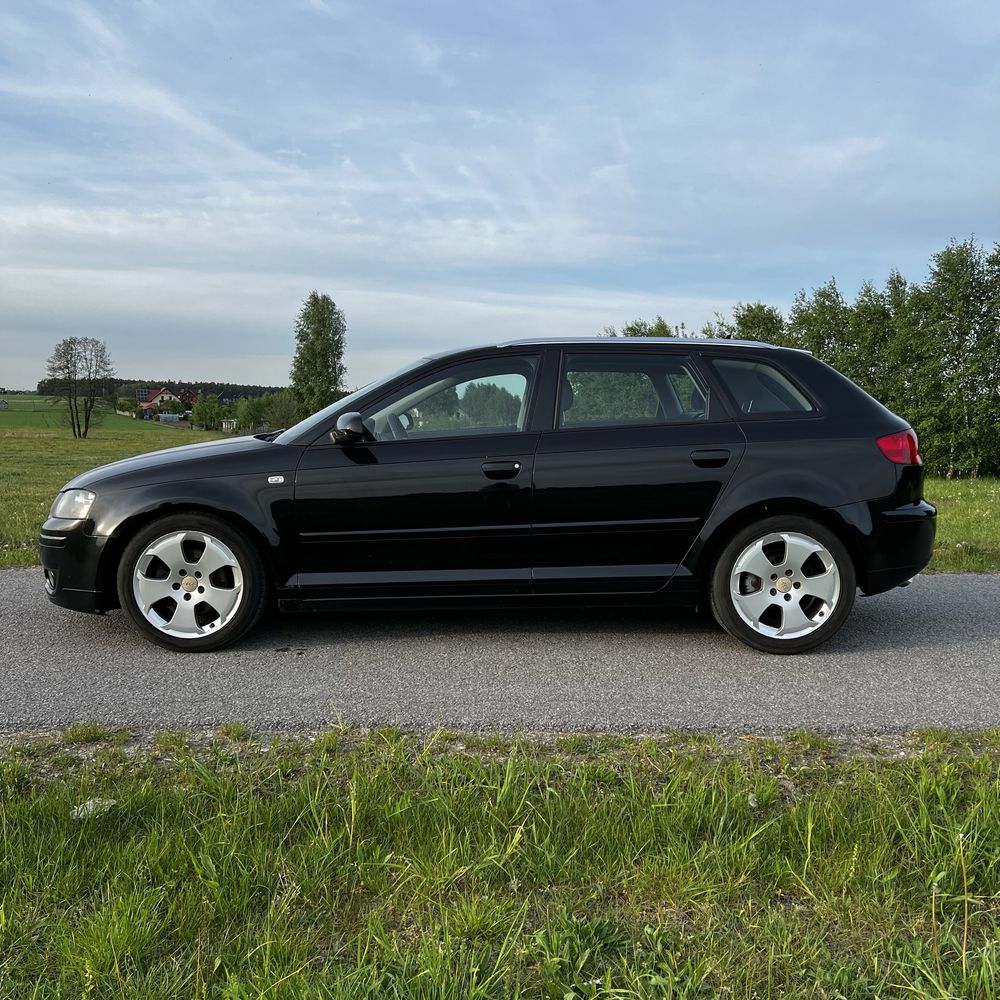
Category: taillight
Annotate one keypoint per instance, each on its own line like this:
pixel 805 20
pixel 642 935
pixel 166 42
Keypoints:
pixel 901 447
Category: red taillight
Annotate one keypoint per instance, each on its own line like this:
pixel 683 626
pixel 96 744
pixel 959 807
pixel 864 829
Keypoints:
pixel 901 447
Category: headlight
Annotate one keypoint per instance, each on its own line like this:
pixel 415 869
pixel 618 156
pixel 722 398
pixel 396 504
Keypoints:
pixel 72 504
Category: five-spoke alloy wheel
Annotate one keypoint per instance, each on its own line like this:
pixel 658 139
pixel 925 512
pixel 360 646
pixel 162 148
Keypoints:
pixel 191 581
pixel 783 585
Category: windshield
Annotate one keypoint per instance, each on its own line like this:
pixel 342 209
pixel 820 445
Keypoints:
pixel 301 430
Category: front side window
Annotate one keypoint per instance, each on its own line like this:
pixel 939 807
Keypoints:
pixel 760 388
pixel 478 397
pixel 611 390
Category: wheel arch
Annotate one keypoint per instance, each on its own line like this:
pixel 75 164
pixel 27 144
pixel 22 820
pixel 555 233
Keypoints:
pixel 127 530
pixel 712 545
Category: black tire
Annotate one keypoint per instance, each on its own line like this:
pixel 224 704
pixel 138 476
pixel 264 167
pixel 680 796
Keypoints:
pixel 724 604
pixel 252 593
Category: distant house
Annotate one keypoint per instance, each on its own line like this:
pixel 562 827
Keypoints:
pixel 160 397
pixel 188 397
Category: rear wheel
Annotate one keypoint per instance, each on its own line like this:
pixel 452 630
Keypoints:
pixel 191 582
pixel 783 585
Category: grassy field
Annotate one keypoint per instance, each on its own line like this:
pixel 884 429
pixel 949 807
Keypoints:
pixel 39 456
pixel 383 865
pixel 968 528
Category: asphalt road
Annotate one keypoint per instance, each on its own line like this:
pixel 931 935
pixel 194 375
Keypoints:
pixel 925 656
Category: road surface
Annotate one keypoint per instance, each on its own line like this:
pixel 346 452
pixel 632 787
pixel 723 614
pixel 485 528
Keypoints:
pixel 925 656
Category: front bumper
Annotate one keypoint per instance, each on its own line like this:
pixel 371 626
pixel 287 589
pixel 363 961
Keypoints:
pixel 71 560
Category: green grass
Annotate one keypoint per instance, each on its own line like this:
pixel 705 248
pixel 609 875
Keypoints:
pixel 385 865
pixel 968 535
pixel 235 732
pixel 93 732
pixel 39 456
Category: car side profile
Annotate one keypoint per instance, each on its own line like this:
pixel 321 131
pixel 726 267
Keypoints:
pixel 752 480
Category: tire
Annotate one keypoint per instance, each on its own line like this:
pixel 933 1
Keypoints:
pixel 191 582
pixel 755 600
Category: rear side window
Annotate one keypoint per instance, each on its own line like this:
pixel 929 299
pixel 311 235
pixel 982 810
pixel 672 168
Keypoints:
pixel 613 390
pixel 759 387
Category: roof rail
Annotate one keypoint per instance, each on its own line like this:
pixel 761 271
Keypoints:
pixel 718 341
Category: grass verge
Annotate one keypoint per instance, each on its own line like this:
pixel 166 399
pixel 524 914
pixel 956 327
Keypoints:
pixel 378 864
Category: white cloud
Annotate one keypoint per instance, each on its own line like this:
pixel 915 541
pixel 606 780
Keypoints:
pixel 447 172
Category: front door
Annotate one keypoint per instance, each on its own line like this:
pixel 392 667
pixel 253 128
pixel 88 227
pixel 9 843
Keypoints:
pixel 637 459
pixel 437 501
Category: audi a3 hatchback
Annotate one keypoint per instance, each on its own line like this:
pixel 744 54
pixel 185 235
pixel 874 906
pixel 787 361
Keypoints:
pixel 752 480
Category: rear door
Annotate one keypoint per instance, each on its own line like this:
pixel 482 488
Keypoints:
pixel 638 454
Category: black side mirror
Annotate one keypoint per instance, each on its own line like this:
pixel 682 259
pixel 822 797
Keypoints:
pixel 349 429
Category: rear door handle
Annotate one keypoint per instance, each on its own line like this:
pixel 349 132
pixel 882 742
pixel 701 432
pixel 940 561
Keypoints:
pixel 710 458
pixel 501 470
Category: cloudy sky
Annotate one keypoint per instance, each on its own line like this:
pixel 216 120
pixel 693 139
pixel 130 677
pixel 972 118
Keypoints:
pixel 176 176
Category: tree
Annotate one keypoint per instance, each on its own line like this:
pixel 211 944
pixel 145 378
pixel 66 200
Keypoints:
pixel 757 321
pixel 251 413
pixel 318 367
pixel 79 370
pixel 819 322
pixel 279 409
pixel 127 404
pixel 658 327
pixel 485 404
pixel 958 347
pixel 207 412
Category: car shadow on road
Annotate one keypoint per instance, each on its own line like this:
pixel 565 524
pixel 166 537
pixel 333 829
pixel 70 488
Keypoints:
pixel 898 620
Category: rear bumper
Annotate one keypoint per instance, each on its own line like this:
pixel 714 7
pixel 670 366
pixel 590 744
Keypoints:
pixel 896 542
pixel 70 562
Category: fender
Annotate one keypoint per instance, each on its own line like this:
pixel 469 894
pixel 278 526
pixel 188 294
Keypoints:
pixel 261 509
pixel 830 479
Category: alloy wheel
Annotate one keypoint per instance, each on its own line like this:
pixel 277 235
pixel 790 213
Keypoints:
pixel 188 584
pixel 785 585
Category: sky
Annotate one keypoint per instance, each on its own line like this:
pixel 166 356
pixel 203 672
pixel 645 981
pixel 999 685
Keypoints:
pixel 175 176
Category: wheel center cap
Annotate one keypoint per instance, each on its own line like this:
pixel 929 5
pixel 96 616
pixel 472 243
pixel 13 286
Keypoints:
pixel 783 584
pixel 190 584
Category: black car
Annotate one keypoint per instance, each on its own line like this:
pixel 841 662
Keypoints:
pixel 750 479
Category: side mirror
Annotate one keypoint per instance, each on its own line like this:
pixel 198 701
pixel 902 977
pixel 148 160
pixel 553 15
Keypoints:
pixel 349 429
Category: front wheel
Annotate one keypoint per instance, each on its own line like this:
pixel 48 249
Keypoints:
pixel 783 585
pixel 191 582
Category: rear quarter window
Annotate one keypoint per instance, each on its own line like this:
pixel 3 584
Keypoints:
pixel 760 388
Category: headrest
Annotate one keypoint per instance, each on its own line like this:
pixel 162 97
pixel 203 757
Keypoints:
pixel 566 396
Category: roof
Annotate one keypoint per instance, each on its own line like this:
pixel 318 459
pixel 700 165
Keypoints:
pixel 617 341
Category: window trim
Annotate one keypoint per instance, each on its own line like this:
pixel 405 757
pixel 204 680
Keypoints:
pixel 711 416
pixel 710 358
pixel 430 373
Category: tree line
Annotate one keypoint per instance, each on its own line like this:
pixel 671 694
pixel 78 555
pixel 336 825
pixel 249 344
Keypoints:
pixel 930 350
pixel 119 388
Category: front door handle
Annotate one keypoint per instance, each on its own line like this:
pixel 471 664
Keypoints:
pixel 501 470
pixel 710 458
